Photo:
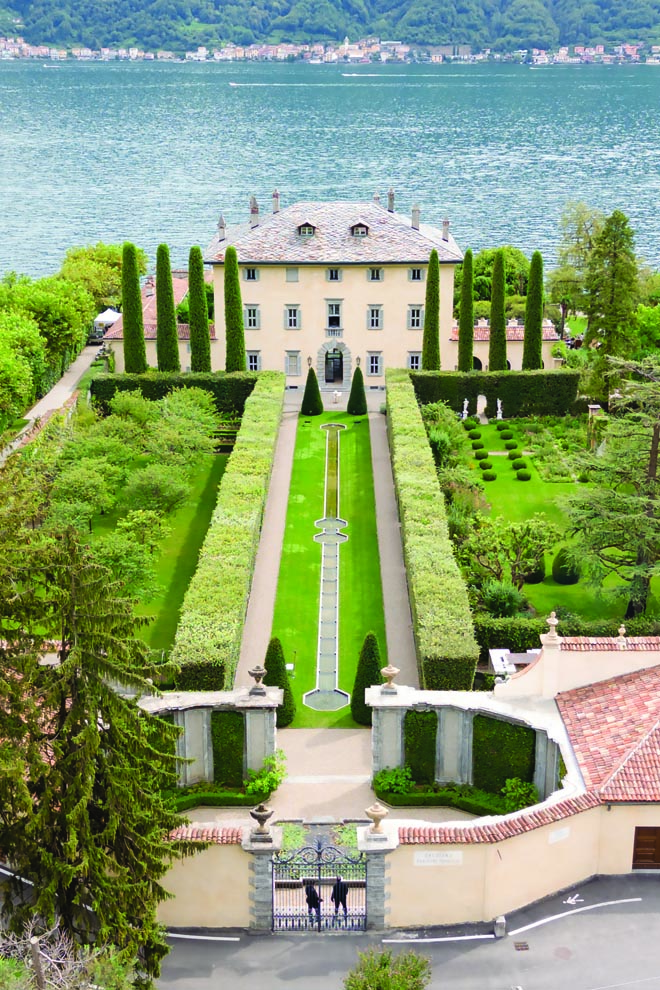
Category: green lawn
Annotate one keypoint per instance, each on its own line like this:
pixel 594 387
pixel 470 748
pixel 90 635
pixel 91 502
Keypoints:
pixel 518 500
pixel 360 596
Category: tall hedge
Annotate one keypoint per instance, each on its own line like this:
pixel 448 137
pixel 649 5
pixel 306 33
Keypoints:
pixel 466 316
pixel 198 317
pixel 277 676
pixel 235 359
pixel 533 341
pixel 501 750
pixel 228 743
pixel 420 731
pixel 135 351
pixel 167 338
pixel 523 393
pixel 357 400
pixel 213 611
pixel 312 403
pixel 366 675
pixel 229 392
pixel 431 336
pixel 442 621
pixel 497 345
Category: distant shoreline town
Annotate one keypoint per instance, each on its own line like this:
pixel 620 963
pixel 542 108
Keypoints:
pixel 366 51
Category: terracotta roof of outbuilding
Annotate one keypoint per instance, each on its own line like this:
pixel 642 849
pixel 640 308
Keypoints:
pixel 214 834
pixel 614 729
pixel 583 644
pixel 116 331
pixel 391 238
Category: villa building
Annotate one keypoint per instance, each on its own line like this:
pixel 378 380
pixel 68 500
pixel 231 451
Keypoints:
pixel 333 285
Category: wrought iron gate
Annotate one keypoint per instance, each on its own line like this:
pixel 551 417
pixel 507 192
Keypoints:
pixel 303 885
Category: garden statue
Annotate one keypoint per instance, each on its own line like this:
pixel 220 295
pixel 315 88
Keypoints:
pixel 499 409
pixel 464 414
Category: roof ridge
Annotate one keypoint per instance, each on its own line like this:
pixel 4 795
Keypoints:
pixel 628 757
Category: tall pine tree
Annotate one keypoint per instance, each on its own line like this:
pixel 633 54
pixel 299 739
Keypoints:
pixel 497 345
pixel 431 337
pixel 466 317
pixel 234 329
pixel 277 676
pixel 167 338
pixel 312 403
pixel 366 675
pixel 83 768
pixel 533 343
pixel 611 287
pixel 200 343
pixel 135 351
pixel 357 400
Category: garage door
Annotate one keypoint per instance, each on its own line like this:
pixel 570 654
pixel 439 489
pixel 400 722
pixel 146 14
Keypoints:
pixel 646 854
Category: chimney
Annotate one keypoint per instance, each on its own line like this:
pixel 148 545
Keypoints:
pixel 390 201
pixel 221 228
pixel 415 217
pixel 445 229
pixel 254 213
pixel 377 198
pixel 276 201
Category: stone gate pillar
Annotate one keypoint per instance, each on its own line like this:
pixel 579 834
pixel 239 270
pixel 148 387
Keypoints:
pixel 194 745
pixel 375 850
pixel 261 877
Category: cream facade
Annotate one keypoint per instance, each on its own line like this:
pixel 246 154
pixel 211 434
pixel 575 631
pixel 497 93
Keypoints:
pixel 209 890
pixel 334 285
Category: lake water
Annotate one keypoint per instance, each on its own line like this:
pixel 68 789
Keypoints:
pixel 155 152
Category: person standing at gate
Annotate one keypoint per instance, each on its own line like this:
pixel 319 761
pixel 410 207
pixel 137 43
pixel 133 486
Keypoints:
pixel 313 901
pixel 339 895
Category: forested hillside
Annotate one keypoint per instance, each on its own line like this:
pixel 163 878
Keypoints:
pixel 183 24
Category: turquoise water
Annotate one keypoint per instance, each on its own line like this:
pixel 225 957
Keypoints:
pixel 155 152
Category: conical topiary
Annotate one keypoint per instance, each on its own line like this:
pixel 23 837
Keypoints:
pixel 466 317
pixel 198 317
pixel 367 674
pixel 497 345
pixel 234 329
pixel 431 336
pixel 277 676
pixel 135 352
pixel 532 358
pixel 312 403
pixel 564 570
pixel 167 339
pixel 357 400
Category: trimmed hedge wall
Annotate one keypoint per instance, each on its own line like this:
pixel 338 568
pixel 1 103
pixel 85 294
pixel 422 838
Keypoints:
pixel 420 730
pixel 228 741
pixel 470 799
pixel 442 621
pixel 523 393
pixel 501 750
pixel 229 391
pixel 211 623
pixel 217 799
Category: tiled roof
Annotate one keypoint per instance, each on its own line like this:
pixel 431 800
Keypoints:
pixel 214 834
pixel 482 333
pixel 116 331
pixel 391 238
pixel 148 293
pixel 614 730
pixel 496 830
pixel 583 644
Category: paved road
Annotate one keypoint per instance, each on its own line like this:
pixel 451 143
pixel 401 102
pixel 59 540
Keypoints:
pixel 608 947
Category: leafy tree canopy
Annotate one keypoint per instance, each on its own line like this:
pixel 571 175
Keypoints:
pixel 97 267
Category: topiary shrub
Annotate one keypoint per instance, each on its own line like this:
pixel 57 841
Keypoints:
pixel 419 735
pixel 501 750
pixel 312 403
pixel 511 444
pixel 228 742
pixel 485 465
pixel 366 675
pixel 471 423
pixel 519 464
pixel 506 434
pixel 277 676
pixel 536 575
pixel 477 445
pixel 502 599
pixel 475 434
pixel 480 455
pixel 501 426
pixel 514 455
pixel 357 400
pixel 488 476
pixel 524 476
pixel 564 570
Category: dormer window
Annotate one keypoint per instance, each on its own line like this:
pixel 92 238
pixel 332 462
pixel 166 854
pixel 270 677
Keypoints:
pixel 306 230
pixel 359 230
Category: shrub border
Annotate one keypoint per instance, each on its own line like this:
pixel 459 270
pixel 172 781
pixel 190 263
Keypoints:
pixel 442 621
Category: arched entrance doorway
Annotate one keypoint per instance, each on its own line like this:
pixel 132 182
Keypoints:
pixel 476 364
pixel 334 367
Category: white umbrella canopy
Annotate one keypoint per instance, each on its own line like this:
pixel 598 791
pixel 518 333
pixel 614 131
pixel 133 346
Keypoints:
pixel 107 318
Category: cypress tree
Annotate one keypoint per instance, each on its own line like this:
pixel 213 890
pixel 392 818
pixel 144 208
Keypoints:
pixel 234 330
pixel 277 676
pixel 135 352
pixel 312 403
pixel 532 345
pixel 431 338
pixel 466 318
pixel 497 346
pixel 366 675
pixel 167 338
pixel 200 344
pixel 357 400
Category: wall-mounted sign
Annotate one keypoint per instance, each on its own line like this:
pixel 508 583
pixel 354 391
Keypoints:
pixel 451 857
pixel 559 835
